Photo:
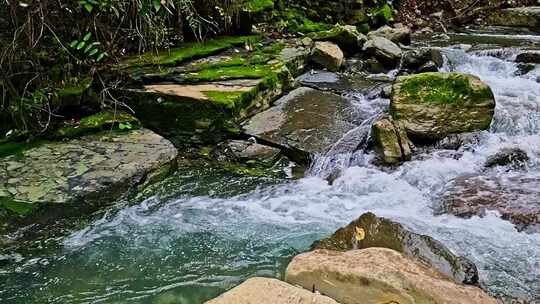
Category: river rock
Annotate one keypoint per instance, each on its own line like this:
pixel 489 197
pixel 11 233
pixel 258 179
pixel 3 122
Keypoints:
pixel 391 140
pixel 377 275
pixel 422 59
pixel 328 55
pixel 371 231
pixel 514 157
pixel 305 122
pixel 346 36
pixel 246 152
pixel 430 106
pixel 528 57
pixel 515 195
pixel 269 291
pixel 387 52
pixel 517 17
pixel 81 173
pixel 400 34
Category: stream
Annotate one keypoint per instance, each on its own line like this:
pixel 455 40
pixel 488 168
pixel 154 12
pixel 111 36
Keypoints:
pixel 203 231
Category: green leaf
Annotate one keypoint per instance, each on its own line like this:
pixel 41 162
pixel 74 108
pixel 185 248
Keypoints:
pixel 89 7
pixel 87 36
pixel 87 48
pixel 81 45
pixel 73 43
pixel 157 5
pixel 93 52
pixel 101 56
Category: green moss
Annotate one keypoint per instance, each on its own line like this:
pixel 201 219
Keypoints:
pixel 229 99
pixel 15 207
pixel 225 73
pixel 101 121
pixel 190 51
pixel 255 6
pixel 299 23
pixel 15 148
pixel 442 88
pixel 75 87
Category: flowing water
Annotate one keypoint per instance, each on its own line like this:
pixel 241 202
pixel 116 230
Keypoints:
pixel 204 231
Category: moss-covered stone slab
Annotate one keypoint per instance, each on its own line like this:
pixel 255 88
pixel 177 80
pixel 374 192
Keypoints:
pixel 346 36
pixel 431 106
pixel 371 231
pixel 306 120
pixel 79 174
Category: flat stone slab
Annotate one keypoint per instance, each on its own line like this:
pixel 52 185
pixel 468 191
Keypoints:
pixel 306 119
pixel 270 291
pixel 91 169
pixel 203 91
pixel 528 17
pixel 515 195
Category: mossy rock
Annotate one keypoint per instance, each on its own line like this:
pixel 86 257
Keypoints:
pixel 346 36
pixel 431 106
pixel 391 140
pixel 105 120
pixel 371 231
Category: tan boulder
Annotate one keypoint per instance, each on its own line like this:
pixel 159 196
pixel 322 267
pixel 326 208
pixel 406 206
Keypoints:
pixel 375 276
pixel 328 55
pixel 269 291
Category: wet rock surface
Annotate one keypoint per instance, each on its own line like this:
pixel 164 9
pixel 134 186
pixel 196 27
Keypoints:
pixel 305 120
pixel 515 195
pixel 514 157
pixel 377 275
pixel 335 82
pixel 391 140
pixel 419 60
pixel 92 170
pixel 371 231
pixel 528 57
pixel 270 291
pixel 431 106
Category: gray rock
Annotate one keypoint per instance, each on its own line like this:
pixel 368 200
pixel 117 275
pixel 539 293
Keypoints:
pixel 387 52
pixel 82 173
pixel 395 34
pixel 246 152
pixel 306 121
pixel 371 231
pixel 416 60
pixel 328 55
pixel 346 36
pixel 514 157
pixel 517 17
pixel 431 106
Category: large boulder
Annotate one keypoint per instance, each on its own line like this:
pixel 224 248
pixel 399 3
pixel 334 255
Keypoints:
pixel 514 157
pixel 328 55
pixel 387 52
pixel 269 291
pixel 377 275
pixel 346 36
pixel 81 174
pixel 305 122
pixel 518 17
pixel 528 57
pixel 431 106
pixel 391 140
pixel 400 34
pixel 371 231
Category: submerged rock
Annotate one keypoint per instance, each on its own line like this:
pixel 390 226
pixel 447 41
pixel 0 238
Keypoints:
pixel 431 106
pixel 529 57
pixel 328 55
pixel 514 157
pixel 346 36
pixel 387 52
pixel 246 152
pixel 82 174
pixel 269 291
pixel 400 34
pixel 377 275
pixel 371 231
pixel 304 122
pixel 392 141
pixel 515 195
